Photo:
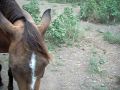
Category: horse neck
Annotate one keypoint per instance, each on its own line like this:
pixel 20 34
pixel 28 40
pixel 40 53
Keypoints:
pixel 5 37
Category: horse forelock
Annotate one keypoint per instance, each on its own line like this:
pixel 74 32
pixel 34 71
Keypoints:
pixel 33 40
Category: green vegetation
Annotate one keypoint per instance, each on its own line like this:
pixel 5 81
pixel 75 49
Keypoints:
pixel 65 1
pixel 64 29
pixel 95 68
pixel 33 8
pixel 100 11
pixel 96 62
pixel 103 11
pixel 112 37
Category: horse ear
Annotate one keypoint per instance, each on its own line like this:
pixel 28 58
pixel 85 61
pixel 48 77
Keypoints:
pixel 46 18
pixel 6 25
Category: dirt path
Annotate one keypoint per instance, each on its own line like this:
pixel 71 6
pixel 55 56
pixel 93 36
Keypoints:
pixel 69 69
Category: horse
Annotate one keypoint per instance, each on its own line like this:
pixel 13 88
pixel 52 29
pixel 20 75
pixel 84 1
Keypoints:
pixel 28 55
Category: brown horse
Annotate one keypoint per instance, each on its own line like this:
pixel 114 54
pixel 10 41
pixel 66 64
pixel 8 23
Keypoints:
pixel 28 56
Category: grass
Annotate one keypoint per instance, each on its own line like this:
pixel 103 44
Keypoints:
pixel 33 8
pixel 96 62
pixel 95 69
pixel 112 38
pixel 64 1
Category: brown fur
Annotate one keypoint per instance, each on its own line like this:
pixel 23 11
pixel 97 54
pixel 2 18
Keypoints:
pixel 33 40
pixel 4 42
pixel 20 40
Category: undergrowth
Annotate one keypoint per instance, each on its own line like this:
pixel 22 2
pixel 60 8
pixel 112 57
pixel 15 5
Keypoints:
pixel 64 29
pixel 98 11
pixel 96 63
pixel 65 1
pixel 112 37
pixel 103 11
pixel 33 8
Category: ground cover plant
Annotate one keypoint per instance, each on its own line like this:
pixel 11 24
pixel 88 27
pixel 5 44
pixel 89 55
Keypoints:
pixel 96 62
pixel 112 38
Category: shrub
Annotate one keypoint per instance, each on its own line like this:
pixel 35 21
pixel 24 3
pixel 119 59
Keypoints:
pixel 104 11
pixel 33 9
pixel 64 28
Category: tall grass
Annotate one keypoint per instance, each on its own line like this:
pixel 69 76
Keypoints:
pixel 112 37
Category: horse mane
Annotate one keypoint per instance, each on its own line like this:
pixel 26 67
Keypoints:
pixel 33 39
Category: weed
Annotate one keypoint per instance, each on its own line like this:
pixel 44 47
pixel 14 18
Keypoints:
pixel 64 29
pixel 65 1
pixel 96 62
pixel 112 37
pixel 33 9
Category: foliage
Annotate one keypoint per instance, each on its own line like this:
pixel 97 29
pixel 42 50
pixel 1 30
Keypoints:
pixel 65 1
pixel 104 11
pixel 112 37
pixel 33 8
pixel 64 28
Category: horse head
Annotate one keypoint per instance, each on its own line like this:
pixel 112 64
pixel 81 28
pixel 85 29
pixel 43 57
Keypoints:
pixel 27 51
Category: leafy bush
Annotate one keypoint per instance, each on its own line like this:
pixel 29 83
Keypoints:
pixel 64 28
pixel 112 38
pixel 33 9
pixel 104 11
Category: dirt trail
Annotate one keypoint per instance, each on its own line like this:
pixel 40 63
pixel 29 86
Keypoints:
pixel 69 68
pixel 69 71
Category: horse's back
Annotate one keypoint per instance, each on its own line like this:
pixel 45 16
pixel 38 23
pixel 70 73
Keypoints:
pixel 4 42
pixel 5 37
